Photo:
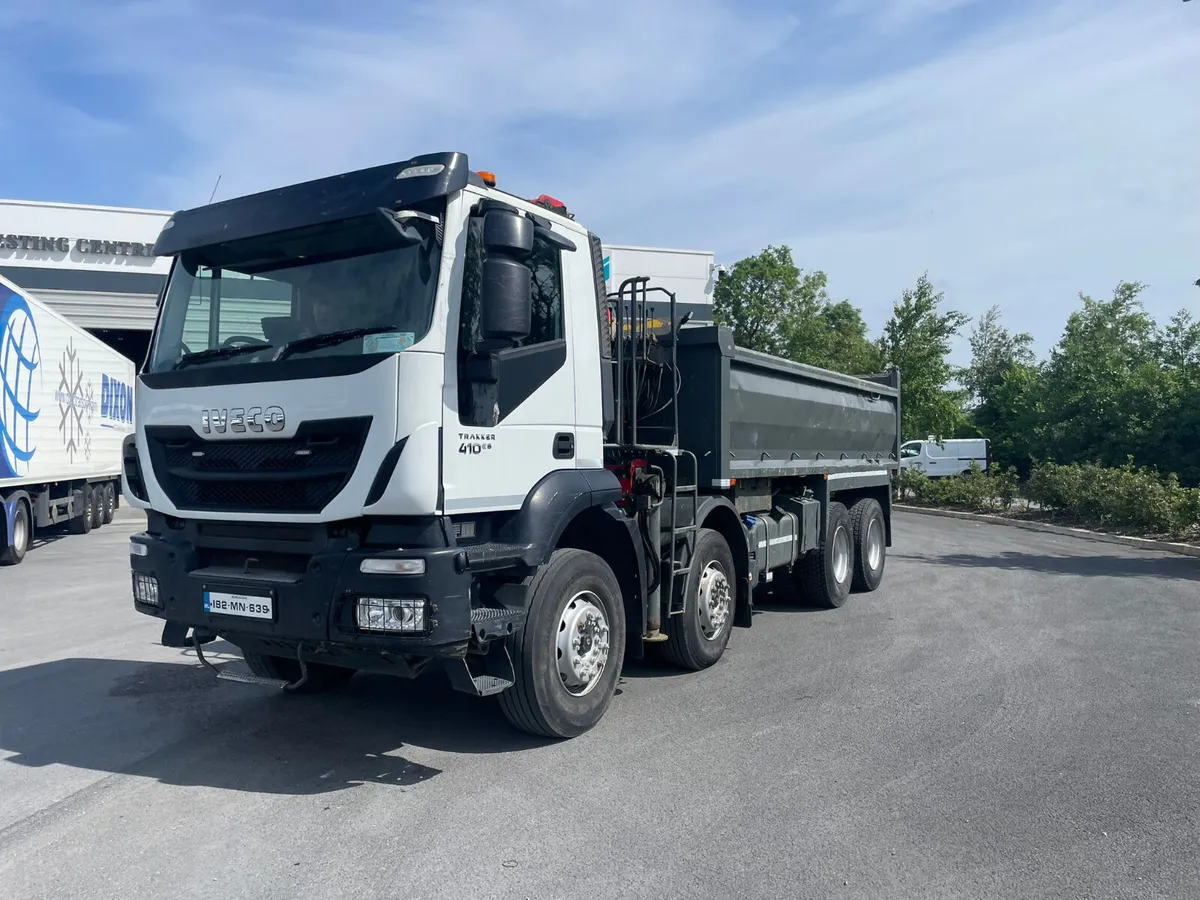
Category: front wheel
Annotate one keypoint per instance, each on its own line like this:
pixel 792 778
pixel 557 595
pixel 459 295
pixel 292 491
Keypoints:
pixel 697 637
pixel 823 576
pixel 567 658
pixel 21 531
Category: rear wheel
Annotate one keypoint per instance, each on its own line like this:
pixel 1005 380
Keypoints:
pixel 567 658
pixel 870 544
pixel 81 522
pixel 22 532
pixel 97 505
pixel 823 576
pixel 109 505
pixel 321 676
pixel 697 637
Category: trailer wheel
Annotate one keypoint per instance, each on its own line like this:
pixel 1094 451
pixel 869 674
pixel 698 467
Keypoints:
pixel 82 523
pixel 21 531
pixel 824 575
pixel 109 506
pixel 567 658
pixel 97 506
pixel 321 676
pixel 697 637
pixel 870 544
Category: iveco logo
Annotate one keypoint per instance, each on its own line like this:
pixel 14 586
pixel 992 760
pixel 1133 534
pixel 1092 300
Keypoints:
pixel 241 420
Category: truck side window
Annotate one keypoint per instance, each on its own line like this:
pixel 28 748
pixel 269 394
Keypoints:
pixel 547 293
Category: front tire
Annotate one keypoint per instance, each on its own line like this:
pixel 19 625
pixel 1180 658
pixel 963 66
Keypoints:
pixel 823 576
pixel 567 658
pixel 22 533
pixel 870 544
pixel 697 637
pixel 321 676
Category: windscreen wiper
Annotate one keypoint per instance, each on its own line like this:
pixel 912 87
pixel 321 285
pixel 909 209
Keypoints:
pixel 331 339
pixel 216 353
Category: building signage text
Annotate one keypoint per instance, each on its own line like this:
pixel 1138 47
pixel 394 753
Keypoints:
pixel 90 246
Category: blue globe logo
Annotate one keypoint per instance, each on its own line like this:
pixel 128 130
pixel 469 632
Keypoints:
pixel 20 356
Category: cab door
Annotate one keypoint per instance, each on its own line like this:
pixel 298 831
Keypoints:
pixel 530 427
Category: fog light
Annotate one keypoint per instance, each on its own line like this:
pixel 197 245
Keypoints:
pixel 136 548
pixel 387 566
pixel 145 589
pixel 406 615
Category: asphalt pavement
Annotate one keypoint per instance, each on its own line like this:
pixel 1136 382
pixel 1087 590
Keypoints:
pixel 1012 715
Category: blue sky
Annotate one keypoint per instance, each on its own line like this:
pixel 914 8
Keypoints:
pixel 1019 151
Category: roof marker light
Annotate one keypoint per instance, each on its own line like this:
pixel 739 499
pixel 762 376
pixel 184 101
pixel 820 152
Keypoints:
pixel 421 171
pixel 489 178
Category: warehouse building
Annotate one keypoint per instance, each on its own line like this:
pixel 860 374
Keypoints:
pixel 95 265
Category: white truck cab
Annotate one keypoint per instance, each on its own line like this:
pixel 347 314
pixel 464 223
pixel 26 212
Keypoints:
pixel 939 459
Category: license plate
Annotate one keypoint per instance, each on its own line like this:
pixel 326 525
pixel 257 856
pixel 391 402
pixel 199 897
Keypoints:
pixel 246 606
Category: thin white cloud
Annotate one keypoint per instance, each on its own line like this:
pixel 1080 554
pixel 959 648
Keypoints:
pixel 1052 151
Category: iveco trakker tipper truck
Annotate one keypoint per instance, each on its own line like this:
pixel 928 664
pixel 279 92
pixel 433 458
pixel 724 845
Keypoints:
pixel 391 421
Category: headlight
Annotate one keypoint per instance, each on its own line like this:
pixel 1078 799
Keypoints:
pixel 145 589
pixel 406 615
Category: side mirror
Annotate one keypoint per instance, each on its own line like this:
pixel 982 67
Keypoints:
pixel 506 300
pixel 506 294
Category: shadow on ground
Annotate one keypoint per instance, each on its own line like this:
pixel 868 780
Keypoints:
pixel 176 723
pixel 1100 565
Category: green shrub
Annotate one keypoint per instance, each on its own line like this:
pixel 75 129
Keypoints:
pixel 973 490
pixel 1124 497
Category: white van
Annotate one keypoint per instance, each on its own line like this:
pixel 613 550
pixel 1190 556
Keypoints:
pixel 938 459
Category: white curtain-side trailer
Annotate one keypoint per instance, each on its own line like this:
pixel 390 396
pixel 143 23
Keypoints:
pixel 66 405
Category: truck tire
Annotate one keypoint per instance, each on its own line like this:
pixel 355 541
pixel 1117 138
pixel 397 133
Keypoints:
pixel 697 637
pixel 82 523
pixel 22 533
pixel 109 507
pixel 567 658
pixel 321 676
pixel 870 544
pixel 97 505
pixel 823 576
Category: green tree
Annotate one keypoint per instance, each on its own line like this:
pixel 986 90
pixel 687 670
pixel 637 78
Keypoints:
pixel 1002 383
pixel 847 347
pixel 775 307
pixel 916 339
pixel 994 350
pixel 761 299
pixel 1103 391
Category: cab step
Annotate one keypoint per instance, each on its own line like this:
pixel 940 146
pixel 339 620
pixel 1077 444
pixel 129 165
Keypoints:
pixel 223 674
pixel 247 678
pixel 497 674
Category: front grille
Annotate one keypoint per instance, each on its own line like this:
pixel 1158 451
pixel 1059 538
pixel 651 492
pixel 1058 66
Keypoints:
pixel 301 474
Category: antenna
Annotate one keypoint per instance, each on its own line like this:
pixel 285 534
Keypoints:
pixel 214 191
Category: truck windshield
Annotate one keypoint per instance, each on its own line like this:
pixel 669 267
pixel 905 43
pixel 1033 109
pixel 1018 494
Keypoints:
pixel 266 302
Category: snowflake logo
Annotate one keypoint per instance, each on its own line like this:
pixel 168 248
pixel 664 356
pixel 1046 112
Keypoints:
pixel 72 402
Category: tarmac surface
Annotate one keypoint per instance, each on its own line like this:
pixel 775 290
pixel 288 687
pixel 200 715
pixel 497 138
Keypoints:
pixel 1011 715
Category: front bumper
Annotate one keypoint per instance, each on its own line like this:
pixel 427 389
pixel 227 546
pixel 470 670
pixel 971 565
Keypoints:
pixel 313 597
